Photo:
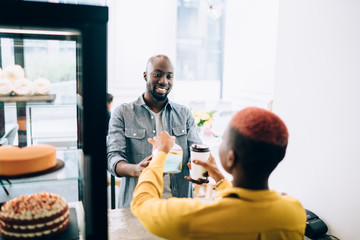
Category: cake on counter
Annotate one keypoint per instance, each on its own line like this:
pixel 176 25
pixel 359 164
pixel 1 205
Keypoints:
pixel 34 216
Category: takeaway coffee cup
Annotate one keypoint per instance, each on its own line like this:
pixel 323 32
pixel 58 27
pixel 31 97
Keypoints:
pixel 199 152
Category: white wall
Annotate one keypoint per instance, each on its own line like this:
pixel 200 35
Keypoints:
pixel 249 52
pixel 137 30
pixel 317 94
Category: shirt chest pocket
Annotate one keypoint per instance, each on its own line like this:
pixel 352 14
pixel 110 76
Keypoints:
pixel 135 140
pixel 180 134
pixel 179 131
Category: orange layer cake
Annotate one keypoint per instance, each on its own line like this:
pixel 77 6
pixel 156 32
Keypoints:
pixel 34 216
pixel 17 161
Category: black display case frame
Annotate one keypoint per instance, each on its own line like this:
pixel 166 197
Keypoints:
pixel 91 22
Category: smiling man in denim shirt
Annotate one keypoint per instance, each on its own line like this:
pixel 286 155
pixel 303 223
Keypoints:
pixel 131 124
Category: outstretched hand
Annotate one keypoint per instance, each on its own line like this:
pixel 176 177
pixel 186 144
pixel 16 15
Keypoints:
pixel 198 181
pixel 211 168
pixel 163 141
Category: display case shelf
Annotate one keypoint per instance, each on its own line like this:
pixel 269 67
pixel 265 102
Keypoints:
pixel 29 98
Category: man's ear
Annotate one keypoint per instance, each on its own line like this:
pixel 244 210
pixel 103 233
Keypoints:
pixel 145 76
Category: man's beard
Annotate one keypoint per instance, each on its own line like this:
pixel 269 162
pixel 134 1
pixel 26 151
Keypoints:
pixel 156 97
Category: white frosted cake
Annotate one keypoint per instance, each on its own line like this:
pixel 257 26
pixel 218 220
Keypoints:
pixel 34 216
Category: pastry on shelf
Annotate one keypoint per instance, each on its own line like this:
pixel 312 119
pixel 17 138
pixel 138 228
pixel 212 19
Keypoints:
pixel 14 83
pixel 13 73
pixel 39 215
pixel 6 87
pixel 23 86
pixel 42 86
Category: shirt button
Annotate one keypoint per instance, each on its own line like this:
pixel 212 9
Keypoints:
pixel 152 117
pixel 134 134
pixel 154 131
pixel 183 130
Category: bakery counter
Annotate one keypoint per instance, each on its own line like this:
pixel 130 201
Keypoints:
pixel 63 179
pixel 124 225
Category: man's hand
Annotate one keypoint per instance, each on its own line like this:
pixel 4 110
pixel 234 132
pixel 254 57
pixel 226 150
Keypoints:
pixel 141 166
pixel 211 168
pixel 125 169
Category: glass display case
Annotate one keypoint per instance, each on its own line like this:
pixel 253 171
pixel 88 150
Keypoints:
pixel 65 45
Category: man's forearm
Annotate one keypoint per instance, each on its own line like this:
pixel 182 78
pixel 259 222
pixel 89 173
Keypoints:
pixel 126 169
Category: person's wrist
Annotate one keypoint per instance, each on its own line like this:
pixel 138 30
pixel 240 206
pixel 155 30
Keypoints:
pixel 218 177
pixel 164 149
pixel 136 172
pixel 219 182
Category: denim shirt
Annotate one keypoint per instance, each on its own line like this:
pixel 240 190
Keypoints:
pixel 130 126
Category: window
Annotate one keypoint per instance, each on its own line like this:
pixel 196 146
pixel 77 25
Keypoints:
pixel 58 57
pixel 200 43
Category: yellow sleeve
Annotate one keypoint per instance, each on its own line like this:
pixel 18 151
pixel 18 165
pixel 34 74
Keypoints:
pixel 224 185
pixel 167 218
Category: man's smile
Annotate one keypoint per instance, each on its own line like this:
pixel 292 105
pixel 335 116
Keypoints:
pixel 160 89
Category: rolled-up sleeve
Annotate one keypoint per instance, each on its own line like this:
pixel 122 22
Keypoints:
pixel 116 145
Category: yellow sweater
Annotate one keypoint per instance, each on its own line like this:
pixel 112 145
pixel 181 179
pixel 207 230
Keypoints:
pixel 256 214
